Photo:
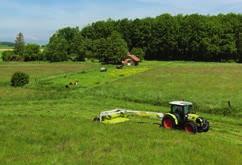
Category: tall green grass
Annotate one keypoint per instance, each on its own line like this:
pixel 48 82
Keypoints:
pixel 62 132
pixel 45 123
pixel 37 72
pixel 210 86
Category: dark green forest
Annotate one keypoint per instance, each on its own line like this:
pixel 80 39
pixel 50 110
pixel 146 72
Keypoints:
pixel 182 37
pixel 192 37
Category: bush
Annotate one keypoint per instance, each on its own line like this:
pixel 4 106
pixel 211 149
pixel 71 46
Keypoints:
pixel 19 79
pixel 7 55
pixel 11 56
pixel 32 52
pixel 138 52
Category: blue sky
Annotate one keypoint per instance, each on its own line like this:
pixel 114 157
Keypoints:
pixel 38 19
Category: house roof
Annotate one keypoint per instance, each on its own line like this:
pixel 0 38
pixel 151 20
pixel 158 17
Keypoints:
pixel 133 57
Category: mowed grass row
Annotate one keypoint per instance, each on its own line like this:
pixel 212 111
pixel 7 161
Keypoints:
pixel 46 123
pixel 91 78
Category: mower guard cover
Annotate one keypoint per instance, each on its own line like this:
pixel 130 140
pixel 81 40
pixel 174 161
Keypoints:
pixel 122 115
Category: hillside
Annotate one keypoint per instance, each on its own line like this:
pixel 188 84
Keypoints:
pixel 46 123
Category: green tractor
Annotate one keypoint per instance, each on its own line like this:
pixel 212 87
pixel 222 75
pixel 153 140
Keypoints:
pixel 181 117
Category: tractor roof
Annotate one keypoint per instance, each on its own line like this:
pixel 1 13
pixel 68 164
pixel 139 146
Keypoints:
pixel 181 103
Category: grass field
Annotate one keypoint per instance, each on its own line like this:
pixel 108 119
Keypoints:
pixel 46 123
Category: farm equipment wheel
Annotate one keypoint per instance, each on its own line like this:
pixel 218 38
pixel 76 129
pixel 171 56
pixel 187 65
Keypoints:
pixel 96 119
pixel 190 127
pixel 168 122
pixel 205 126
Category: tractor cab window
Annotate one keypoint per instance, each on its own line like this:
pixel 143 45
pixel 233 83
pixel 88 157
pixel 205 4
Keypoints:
pixel 176 109
pixel 187 109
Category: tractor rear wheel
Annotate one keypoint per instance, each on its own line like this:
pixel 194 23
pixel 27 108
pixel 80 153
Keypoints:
pixel 190 127
pixel 168 122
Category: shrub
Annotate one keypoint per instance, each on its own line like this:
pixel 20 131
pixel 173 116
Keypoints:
pixel 138 52
pixel 19 79
pixel 31 52
pixel 42 56
pixel 11 56
pixel 7 55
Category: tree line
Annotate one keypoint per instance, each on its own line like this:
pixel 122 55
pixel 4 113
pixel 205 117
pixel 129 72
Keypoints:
pixel 22 51
pixel 8 44
pixel 182 37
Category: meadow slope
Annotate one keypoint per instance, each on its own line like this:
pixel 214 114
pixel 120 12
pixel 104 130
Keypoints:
pixel 46 123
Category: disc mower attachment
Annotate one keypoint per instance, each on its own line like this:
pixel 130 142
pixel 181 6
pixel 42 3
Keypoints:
pixel 122 115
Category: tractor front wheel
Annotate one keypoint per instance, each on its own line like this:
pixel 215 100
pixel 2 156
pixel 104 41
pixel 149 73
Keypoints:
pixel 205 127
pixel 168 122
pixel 190 127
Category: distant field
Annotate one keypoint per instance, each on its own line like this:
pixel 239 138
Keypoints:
pixel 5 47
pixel 46 123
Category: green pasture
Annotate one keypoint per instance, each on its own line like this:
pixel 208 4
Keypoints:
pixel 47 123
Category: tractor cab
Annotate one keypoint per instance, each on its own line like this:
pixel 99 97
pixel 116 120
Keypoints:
pixel 181 107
